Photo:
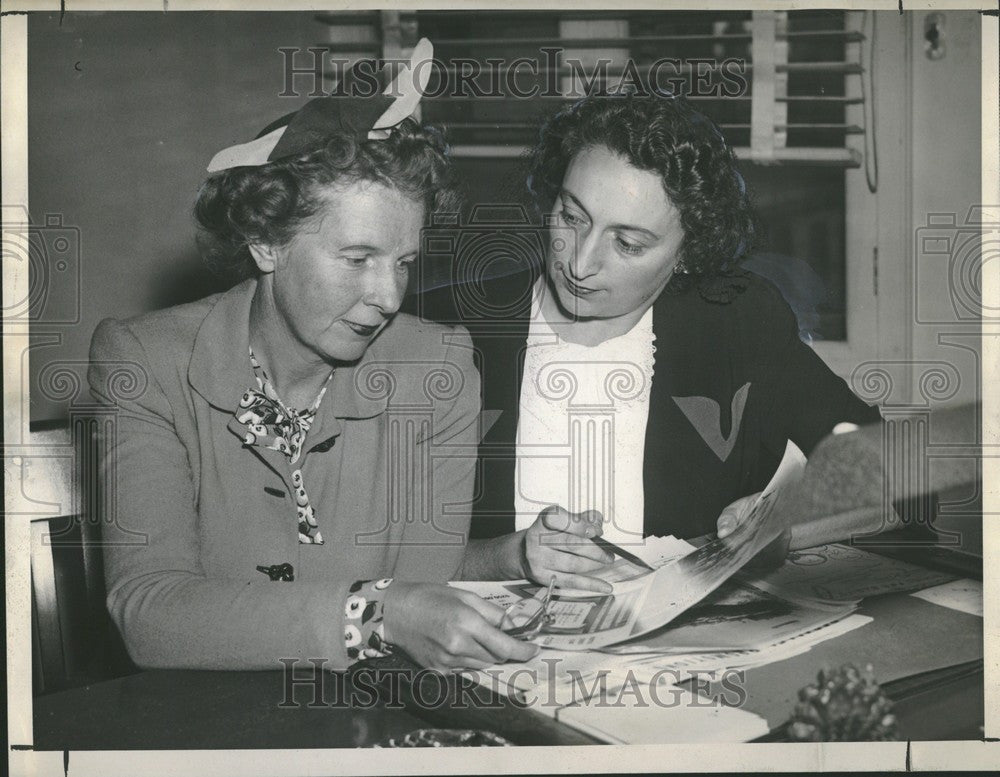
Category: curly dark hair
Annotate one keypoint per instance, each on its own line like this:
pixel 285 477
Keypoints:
pixel 268 204
pixel 665 135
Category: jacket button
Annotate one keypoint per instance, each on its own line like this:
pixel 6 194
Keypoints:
pixel 284 572
pixel 324 446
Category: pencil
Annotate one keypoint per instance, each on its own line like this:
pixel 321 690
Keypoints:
pixel 617 551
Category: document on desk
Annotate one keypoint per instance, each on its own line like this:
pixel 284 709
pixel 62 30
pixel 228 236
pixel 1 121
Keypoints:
pixel 963 595
pixel 624 699
pixel 840 573
pixel 563 676
pixel 735 618
pixel 642 601
pixel 685 719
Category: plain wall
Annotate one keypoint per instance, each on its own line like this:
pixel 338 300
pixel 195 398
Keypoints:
pixel 125 110
pixel 947 185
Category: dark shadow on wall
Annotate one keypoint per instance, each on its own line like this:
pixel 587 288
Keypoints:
pixel 185 280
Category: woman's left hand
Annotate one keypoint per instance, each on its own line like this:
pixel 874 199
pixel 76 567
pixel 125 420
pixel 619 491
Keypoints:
pixel 735 515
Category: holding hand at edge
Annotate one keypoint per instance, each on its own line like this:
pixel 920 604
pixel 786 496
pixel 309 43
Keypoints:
pixel 559 544
pixel 447 629
pixel 735 515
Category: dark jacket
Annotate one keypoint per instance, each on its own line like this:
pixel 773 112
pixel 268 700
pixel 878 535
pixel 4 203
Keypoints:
pixel 732 383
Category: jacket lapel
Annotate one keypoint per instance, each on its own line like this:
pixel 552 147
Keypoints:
pixel 220 364
pixel 220 368
pixel 656 488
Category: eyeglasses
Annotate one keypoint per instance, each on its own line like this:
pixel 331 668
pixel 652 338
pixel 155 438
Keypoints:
pixel 526 618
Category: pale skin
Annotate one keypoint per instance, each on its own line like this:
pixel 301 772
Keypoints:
pixel 616 245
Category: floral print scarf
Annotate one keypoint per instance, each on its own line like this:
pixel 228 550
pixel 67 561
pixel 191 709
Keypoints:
pixel 271 424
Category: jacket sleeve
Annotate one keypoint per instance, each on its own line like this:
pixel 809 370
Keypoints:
pixel 452 446
pixel 170 614
pixel 809 399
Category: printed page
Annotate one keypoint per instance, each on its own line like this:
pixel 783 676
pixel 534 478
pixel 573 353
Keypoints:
pixel 581 619
pixel 644 601
pixel 586 620
pixel 683 583
pixel 962 595
pixel 681 717
pixel 841 573
pixel 735 618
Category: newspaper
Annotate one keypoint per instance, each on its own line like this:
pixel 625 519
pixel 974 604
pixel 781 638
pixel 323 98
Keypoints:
pixel 839 572
pixel 556 678
pixel 736 618
pixel 641 602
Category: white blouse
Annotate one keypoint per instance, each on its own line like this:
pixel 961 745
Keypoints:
pixel 581 430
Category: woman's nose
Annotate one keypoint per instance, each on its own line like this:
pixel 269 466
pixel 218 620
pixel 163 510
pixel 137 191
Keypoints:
pixel 585 257
pixel 385 289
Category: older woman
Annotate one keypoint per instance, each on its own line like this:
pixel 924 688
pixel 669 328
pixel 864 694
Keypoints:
pixel 645 382
pixel 292 469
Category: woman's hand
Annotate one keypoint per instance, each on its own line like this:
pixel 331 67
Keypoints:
pixel 558 543
pixel 447 629
pixel 735 515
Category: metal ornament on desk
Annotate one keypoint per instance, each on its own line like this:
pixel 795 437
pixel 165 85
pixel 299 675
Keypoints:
pixel 845 705
pixel 446 737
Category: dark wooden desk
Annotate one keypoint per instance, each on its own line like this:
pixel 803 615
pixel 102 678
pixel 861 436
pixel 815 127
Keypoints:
pixel 239 710
pixel 928 658
pixel 235 710
pixel 907 639
pixel 194 710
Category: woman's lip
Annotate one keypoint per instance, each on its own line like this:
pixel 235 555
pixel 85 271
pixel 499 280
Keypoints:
pixel 576 289
pixel 365 330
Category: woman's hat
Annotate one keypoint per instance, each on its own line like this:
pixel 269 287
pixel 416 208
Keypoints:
pixel 308 128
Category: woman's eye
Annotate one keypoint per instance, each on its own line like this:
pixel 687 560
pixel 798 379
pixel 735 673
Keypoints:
pixel 628 247
pixel 356 261
pixel 572 219
pixel 406 264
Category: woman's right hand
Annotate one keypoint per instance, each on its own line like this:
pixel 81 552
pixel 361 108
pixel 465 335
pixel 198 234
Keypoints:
pixel 558 544
pixel 448 629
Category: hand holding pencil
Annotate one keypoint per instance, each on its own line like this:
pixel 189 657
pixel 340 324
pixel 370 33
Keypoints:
pixel 568 546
